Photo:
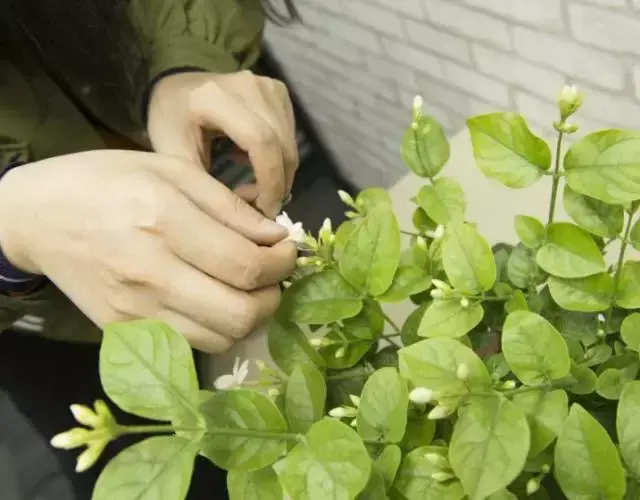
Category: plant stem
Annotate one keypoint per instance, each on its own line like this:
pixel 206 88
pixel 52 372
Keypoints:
pixel 389 335
pixel 556 180
pixel 410 233
pixel 392 323
pixel 623 250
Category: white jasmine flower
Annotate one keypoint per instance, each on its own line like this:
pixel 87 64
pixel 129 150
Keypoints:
pixel 569 101
pixel 296 231
pixel 418 102
pixel 462 372
pixel 569 93
pixel 421 395
pixel 235 378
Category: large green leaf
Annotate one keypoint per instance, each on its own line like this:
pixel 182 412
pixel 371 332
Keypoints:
pixel 444 201
pixel 388 463
pixel 534 349
pixel 305 394
pixel 591 294
pixel 408 280
pixel 489 445
pixel 449 318
pixel 372 252
pixel 586 464
pixel 506 150
pixel 425 148
pixel 611 381
pixel 628 427
pixel 546 413
pixel 594 215
pixel 158 467
pixel 332 463
pixel 372 198
pixel 584 380
pixel 522 268
pixel 570 252
pixel 434 363
pixel 628 296
pixel 630 331
pixel 409 330
pixel 606 165
pixel 530 231
pixel 382 413
pixel 634 235
pixel 468 259
pixel 255 485
pixel 368 324
pixel 415 482
pixel 242 411
pixel 320 298
pixel 147 369
pixel 289 347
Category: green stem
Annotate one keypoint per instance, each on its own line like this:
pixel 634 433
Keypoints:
pixel 623 250
pixel 556 180
pixel 392 323
pixel 410 233
pixel 389 335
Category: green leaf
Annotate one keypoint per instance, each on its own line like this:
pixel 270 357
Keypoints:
pixel 372 198
pixel 611 382
pixel 342 236
pixel 147 369
pixel 385 358
pixel 628 427
pixel 425 149
pixel 368 324
pixel 289 347
pixel 534 349
pixel 305 394
pixel 580 327
pixel 570 252
pixel 433 363
pixel 503 495
pixel 593 215
pixel 409 280
pixel 345 350
pixel 409 330
pixel 444 201
pixel 420 432
pixel 517 302
pixel 237 411
pixel 522 268
pixel 530 231
pixel 605 165
pixel 597 354
pixel 331 463
pixel 256 485
pixel 448 318
pixel 414 481
pixel 585 380
pixel 506 150
pixel 628 296
pixel 422 222
pixel 468 259
pixel 587 464
pixel 489 445
pixel 388 463
pixel 320 298
pixel 634 235
pixel 546 413
pixel 158 467
pixel 376 488
pixel 497 366
pixel 382 413
pixel 372 253
pixel 630 331
pixel 591 294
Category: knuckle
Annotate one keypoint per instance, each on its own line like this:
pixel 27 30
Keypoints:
pixel 248 317
pixel 266 138
pixel 250 274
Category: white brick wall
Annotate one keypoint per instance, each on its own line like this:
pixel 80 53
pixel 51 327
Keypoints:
pixel 357 64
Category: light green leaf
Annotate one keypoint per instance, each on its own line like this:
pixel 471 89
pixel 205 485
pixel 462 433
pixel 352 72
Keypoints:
pixel 546 413
pixel 332 463
pixel 342 236
pixel 256 485
pixel 147 369
pixel 522 268
pixel 425 149
pixel 506 150
pixel 468 259
pixel 305 394
pixel 593 215
pixel 368 324
pixel 605 165
pixel 517 302
pixel 630 331
pixel 372 253
pixel 585 380
pixel 415 256
pixel 409 280
pixel 628 427
pixel 581 327
pixel 444 201
pixel 422 222
pixel 591 294
pixel 534 349
pixel 503 495
pixel 587 464
pixel 414 481
pixel 433 363
pixel 242 410
pixel 628 296
pixel 376 488
pixel 497 366
pixel 530 231
pixel 489 445
pixel 372 198
pixel 409 330
pixel 382 413
pixel 289 347
pixel 634 235
pixel 158 467
pixel 345 350
pixel 388 463
pixel 448 318
pixel 611 382
pixel 320 298
pixel 420 432
pixel 570 252
pixel 597 354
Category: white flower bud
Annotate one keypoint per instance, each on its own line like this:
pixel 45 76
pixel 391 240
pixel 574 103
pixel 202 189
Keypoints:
pixel 354 423
pixel 317 342
pixel 73 438
pixel 273 392
pixel 438 413
pixel 439 232
pixel 418 102
pixel 441 285
pixel 441 477
pixel 340 352
pixel 342 412
pixel 421 395
pixel 414 126
pixel 464 302
pixel 104 413
pixel 325 231
pixel 318 262
pixel 546 468
pixel 601 318
pixel 533 485
pixel 462 372
pixel 351 214
pixel 90 456
pixel 422 243
pixel 85 416
pixel 509 384
pixel 601 333
pixel 346 198
pixel 437 294
pixel 355 400
pixel 286 284
pixel 569 101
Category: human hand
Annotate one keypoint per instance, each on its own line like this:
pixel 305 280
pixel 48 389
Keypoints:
pixel 188 109
pixel 129 235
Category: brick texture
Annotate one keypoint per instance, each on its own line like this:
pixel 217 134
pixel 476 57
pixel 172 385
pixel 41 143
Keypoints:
pixel 357 64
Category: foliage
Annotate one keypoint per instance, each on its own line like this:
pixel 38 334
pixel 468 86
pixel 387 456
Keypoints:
pixel 515 376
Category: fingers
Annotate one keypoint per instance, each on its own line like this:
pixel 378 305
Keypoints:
pixel 248 192
pixel 199 336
